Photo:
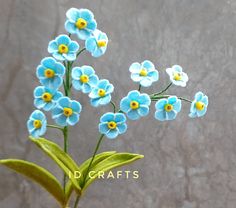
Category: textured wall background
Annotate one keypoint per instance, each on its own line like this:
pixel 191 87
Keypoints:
pixel 188 163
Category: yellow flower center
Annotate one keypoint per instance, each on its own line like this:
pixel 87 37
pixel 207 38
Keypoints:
pixel 134 105
pixel 143 73
pixel 111 125
pixel 37 124
pixel 101 43
pixel 67 111
pixel 101 92
pixel 200 105
pixel 168 107
pixel 84 78
pixel 81 23
pixel 63 48
pixel 177 76
pixel 49 73
pixel 47 97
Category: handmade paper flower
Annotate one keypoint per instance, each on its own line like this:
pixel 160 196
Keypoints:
pixel 97 44
pixel 63 48
pixel 80 22
pixel 45 98
pixel 199 105
pixel 177 76
pixel 84 78
pixel 167 108
pixel 37 124
pixel 112 124
pixel 50 73
pixel 101 94
pixel 144 73
pixel 66 111
pixel 135 104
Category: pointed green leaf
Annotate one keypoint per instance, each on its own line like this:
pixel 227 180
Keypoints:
pixel 113 161
pixel 63 160
pixel 38 175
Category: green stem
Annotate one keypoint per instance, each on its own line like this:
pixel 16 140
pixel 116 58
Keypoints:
pixel 83 49
pixel 159 93
pixel 65 134
pixel 55 127
pixel 114 106
pixel 155 98
pixel 77 201
pixel 139 88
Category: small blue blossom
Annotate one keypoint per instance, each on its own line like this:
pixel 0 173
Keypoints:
pixel 66 112
pixel 45 98
pixel 135 104
pixel 177 76
pixel 144 73
pixel 199 105
pixel 50 73
pixel 80 22
pixel 37 124
pixel 101 94
pixel 97 44
pixel 112 124
pixel 84 78
pixel 167 108
pixel 63 48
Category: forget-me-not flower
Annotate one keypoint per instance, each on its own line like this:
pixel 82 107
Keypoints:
pixel 101 94
pixel 199 105
pixel 80 22
pixel 112 124
pixel 144 73
pixel 177 76
pixel 167 108
pixel 45 98
pixel 37 124
pixel 135 104
pixel 97 44
pixel 63 48
pixel 84 78
pixel 50 73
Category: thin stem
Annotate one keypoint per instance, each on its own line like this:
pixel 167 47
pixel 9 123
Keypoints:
pixel 55 127
pixel 83 49
pixel 114 106
pixel 159 93
pixel 139 87
pixel 155 98
pixel 77 201
pixel 65 134
pixel 185 99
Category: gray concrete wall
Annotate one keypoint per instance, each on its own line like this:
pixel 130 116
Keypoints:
pixel 188 163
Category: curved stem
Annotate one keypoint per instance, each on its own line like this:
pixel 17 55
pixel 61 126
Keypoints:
pixel 185 99
pixel 158 93
pixel 83 49
pixel 114 106
pixel 155 98
pixel 54 127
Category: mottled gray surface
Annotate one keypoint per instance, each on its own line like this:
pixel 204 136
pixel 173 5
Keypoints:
pixel 188 163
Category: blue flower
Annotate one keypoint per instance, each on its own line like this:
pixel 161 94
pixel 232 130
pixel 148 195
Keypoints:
pixel 45 98
pixel 97 44
pixel 37 124
pixel 167 109
pixel 144 73
pixel 50 73
pixel 199 105
pixel 135 104
pixel 84 78
pixel 101 94
pixel 80 22
pixel 177 76
pixel 63 48
pixel 112 124
pixel 66 111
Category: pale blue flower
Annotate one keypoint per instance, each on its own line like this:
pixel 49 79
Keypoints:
pixel 45 98
pixel 80 22
pixel 101 94
pixel 177 76
pixel 50 73
pixel 97 44
pixel 167 108
pixel 63 48
pixel 112 124
pixel 145 73
pixel 199 105
pixel 84 78
pixel 37 124
pixel 135 104
pixel 66 112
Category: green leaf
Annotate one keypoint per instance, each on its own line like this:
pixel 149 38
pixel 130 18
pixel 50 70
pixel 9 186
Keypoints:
pixel 113 161
pixel 63 160
pixel 39 175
